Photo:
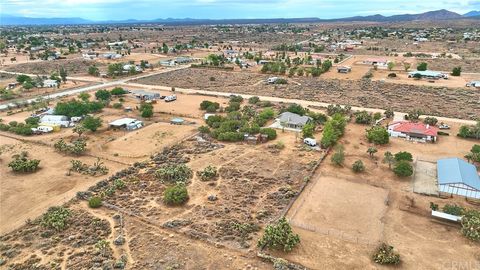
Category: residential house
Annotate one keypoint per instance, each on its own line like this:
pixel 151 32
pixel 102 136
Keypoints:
pixel 413 131
pixel 50 83
pixel 145 95
pixel 293 120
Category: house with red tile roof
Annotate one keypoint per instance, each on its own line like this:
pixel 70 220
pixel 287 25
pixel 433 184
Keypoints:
pixel 413 131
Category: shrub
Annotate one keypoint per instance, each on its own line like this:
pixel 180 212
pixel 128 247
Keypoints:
pixel 267 113
pixel 456 71
pixel 339 156
pixel 422 66
pixel 403 169
pixel 296 108
pixel 308 130
pixel 204 129
pixel 432 121
pixel 279 236
pixel 119 184
pixel 175 195
pixel 174 173
pixel 118 91
pixel 363 117
pixel 236 98
pixel 389 113
pixel 117 105
pixel 209 106
pixel 208 173
pixel 358 166
pixel 406 156
pixel 103 95
pixel 392 75
pixel 95 202
pixel 385 255
pixel 92 123
pixel 76 148
pixel 147 113
pixel 77 108
pixel 270 132
pixel 253 100
pixel 233 106
pixel 32 121
pixel 230 136
pixel 333 130
pixel 454 209
pixel 56 218
pixel 471 225
pixel 378 135
pixel 21 163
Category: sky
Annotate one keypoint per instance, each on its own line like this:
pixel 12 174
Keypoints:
pixel 225 9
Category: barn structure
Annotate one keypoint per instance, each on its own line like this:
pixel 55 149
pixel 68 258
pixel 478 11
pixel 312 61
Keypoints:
pixel 458 177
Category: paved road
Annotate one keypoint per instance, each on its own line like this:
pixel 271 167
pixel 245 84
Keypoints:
pixel 89 88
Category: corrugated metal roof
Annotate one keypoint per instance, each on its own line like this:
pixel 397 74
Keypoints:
pixel 455 170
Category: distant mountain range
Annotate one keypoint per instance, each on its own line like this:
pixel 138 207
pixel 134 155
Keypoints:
pixel 427 16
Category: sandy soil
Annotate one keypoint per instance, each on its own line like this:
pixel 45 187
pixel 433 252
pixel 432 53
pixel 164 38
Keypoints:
pixel 23 197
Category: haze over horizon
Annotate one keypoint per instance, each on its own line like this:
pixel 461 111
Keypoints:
pixel 98 10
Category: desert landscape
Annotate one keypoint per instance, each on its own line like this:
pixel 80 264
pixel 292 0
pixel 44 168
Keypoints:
pixel 241 144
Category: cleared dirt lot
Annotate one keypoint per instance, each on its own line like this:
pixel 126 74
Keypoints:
pixel 442 101
pixel 23 197
pixel 350 209
pixel 72 66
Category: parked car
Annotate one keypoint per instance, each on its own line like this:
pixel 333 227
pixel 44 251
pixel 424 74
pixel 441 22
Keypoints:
pixel 310 142
pixel 443 126
pixel 170 98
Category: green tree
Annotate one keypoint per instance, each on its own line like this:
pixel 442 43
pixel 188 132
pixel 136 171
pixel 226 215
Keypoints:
pixel 422 66
pixel 28 85
pixel 378 135
pixel 118 91
pixel 403 156
pixel 92 123
pixel 308 130
pixel 23 78
pixel 390 65
pixel 95 202
pixel 456 71
pixel 93 70
pixel 403 169
pixel 79 129
pixel 63 74
pixel 406 66
pixel 279 236
pixel 103 95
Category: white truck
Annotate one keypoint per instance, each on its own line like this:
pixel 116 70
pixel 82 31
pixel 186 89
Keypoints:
pixel 42 129
pixel 170 98
pixel 310 142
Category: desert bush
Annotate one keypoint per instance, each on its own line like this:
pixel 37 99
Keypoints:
pixel 92 123
pixel 209 106
pixel 174 173
pixel 358 166
pixel 233 106
pixel 430 121
pixel 363 117
pixel 339 156
pixel 95 202
pixel 253 100
pixel 78 147
pixel 119 184
pixel 297 109
pixel 175 195
pixel 279 145
pixel 117 105
pixel 118 91
pixel 279 236
pixel 403 169
pixel 385 255
pixel 103 95
pixel 308 130
pixel 56 218
pixel 267 113
pixel 204 129
pixel 471 225
pixel 21 163
pixel 392 75
pixel 236 98
pixel 208 173
pixel 98 167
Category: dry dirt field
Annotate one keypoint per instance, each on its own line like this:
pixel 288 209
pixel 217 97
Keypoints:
pixel 442 101
pixel 24 197
pixel 407 226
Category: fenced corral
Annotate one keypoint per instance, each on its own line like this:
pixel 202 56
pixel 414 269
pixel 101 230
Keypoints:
pixel 425 177
pixel 342 209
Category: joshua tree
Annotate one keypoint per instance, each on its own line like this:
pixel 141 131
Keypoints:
pixel 371 151
pixel 388 158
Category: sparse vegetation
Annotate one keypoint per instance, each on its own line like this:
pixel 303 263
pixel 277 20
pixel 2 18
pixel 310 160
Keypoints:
pixel 21 163
pixel 279 236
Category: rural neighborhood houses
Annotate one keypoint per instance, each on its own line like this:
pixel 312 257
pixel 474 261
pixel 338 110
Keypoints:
pixel 413 131
pixel 458 177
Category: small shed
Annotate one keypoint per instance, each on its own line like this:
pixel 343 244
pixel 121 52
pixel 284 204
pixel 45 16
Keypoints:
pixel 126 123
pixel 458 177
